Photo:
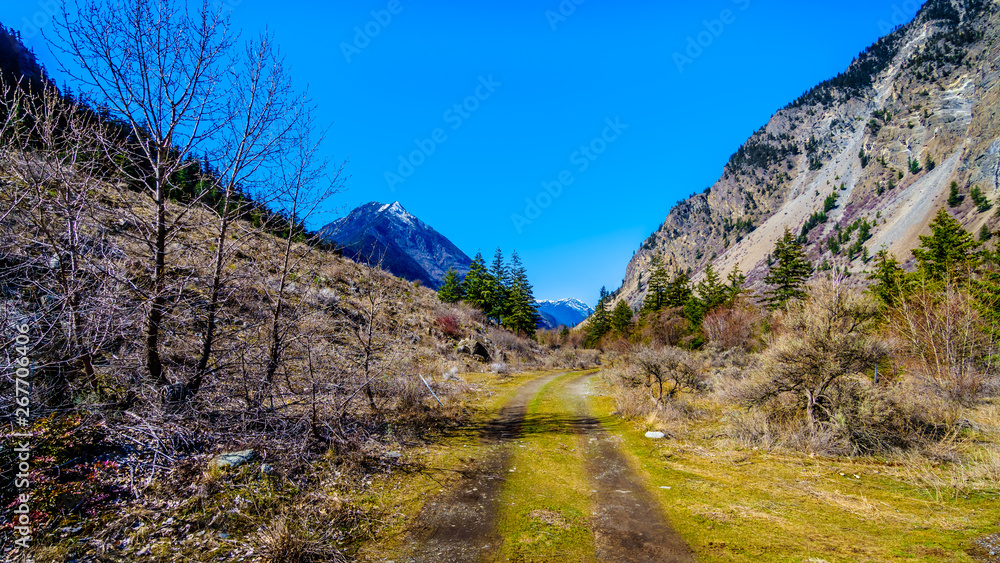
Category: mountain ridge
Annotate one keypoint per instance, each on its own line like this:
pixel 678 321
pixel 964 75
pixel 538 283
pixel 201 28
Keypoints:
pixel 923 91
pixel 391 237
pixel 563 312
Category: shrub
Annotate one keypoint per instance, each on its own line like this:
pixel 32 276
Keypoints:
pixel 666 372
pixel 943 331
pixel 449 325
pixel 827 337
pixel 667 328
pixel 732 327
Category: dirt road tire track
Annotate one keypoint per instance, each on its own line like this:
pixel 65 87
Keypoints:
pixel 628 525
pixel 460 526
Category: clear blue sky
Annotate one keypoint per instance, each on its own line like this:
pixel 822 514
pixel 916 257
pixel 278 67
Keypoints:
pixel 550 76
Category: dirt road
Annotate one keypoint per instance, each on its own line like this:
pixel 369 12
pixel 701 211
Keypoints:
pixel 461 525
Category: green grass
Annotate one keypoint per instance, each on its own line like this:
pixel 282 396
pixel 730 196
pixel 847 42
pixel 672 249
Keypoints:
pixel 546 503
pixel 745 505
pixel 401 495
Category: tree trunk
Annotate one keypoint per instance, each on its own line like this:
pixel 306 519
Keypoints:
pixel 159 303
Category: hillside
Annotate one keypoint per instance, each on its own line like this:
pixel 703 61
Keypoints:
pixel 17 62
pixel 926 94
pixel 390 236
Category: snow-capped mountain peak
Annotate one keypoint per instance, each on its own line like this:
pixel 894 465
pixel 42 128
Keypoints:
pixel 565 312
pixel 402 243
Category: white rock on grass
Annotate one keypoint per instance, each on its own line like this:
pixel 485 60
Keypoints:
pixel 656 435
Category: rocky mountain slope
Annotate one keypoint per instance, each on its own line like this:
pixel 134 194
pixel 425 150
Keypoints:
pixel 387 234
pixel 861 161
pixel 564 312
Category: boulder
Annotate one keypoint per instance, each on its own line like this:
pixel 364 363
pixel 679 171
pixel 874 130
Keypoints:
pixel 656 435
pixel 233 459
pixel 473 347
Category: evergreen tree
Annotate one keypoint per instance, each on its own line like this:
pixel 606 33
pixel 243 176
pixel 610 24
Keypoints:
pixel 657 286
pixel 789 272
pixel 736 280
pixel 679 291
pixel 888 278
pixel 499 287
pixel 451 290
pixel 600 321
pixel 949 252
pixel 477 284
pixel 954 198
pixel 711 291
pixel 521 310
pixel 621 319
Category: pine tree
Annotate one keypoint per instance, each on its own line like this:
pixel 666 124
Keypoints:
pixel 736 281
pixel 949 252
pixel 451 290
pixel 657 286
pixel 600 321
pixel 621 319
pixel 888 277
pixel 711 291
pixel 522 311
pixel 499 287
pixel 954 198
pixel 679 291
pixel 789 272
pixel 477 284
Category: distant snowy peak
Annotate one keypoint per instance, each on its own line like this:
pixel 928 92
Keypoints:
pixel 388 234
pixel 564 312
pixel 396 211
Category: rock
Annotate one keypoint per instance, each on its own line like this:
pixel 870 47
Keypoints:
pixel 233 459
pixel 266 469
pixel 473 347
pixel 656 435
pixel 393 455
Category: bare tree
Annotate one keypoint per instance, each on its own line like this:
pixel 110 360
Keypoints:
pixel 371 349
pixel 258 122
pixel 53 160
pixel 668 371
pixel 157 68
pixel 304 183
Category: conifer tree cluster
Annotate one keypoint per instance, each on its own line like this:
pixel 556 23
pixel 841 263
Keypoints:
pixel 501 291
pixel 690 301
pixel 948 257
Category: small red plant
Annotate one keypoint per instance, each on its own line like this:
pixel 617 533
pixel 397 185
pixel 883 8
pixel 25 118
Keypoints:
pixel 449 325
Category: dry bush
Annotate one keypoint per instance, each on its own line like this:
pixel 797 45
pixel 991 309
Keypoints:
pixel 511 347
pixel 667 328
pixel 733 327
pixel 944 334
pixel 572 358
pixel 633 400
pixel 829 337
pixel 753 429
pixel 667 371
pixel 727 373
pixel 292 539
